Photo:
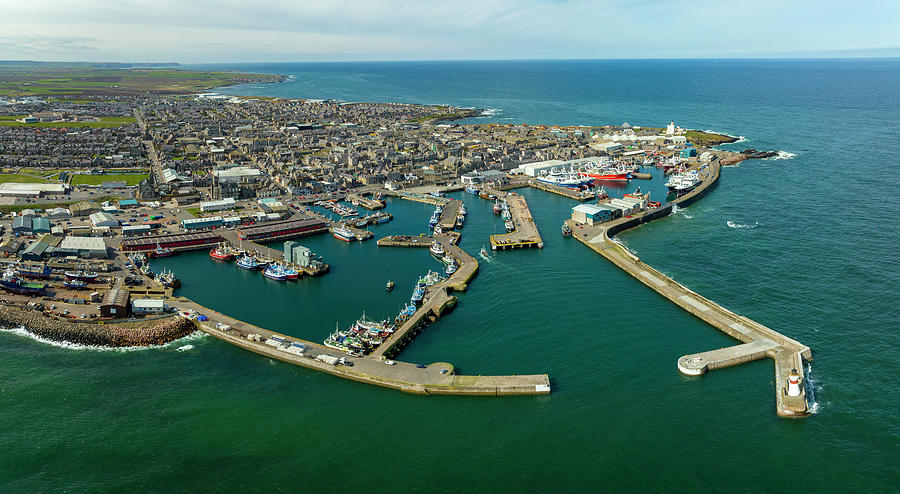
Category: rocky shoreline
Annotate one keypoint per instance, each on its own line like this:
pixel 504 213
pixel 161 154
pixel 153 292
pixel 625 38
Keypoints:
pixel 155 332
pixel 733 158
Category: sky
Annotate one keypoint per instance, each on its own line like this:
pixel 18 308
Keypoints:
pixel 197 31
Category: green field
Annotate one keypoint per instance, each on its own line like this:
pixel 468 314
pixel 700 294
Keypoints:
pixel 129 178
pixel 50 205
pixel 10 121
pixel 20 178
pixel 80 81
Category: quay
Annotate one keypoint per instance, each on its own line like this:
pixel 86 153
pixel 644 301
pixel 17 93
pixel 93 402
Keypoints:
pixel 410 196
pixel 435 378
pixel 405 241
pixel 578 195
pixel 261 250
pixel 438 299
pixel 448 215
pixel 526 233
pixel 360 200
pixel 758 341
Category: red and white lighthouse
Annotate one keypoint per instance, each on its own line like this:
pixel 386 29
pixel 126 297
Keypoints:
pixel 793 383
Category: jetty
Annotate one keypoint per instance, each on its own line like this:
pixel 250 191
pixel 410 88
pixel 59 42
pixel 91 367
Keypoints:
pixel 758 341
pixel 362 201
pixel 578 195
pixel 447 221
pixel 526 233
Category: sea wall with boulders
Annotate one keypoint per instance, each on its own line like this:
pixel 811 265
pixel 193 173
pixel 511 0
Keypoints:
pixel 154 332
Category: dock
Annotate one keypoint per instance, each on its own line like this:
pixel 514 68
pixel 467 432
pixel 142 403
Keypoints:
pixel 410 196
pixel 435 378
pixel 264 251
pixel 448 215
pixel 758 341
pixel 526 233
pixel 578 195
pixel 365 202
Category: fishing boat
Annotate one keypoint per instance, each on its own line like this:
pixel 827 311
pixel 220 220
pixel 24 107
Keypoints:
pixel 451 268
pixel 389 285
pixel 566 230
pixel 75 284
pixel 86 275
pixel 437 250
pixel 274 272
pixel 682 183
pixel 483 252
pixel 343 233
pixel 10 281
pixel 221 253
pixel 161 251
pixel 471 189
pixel 510 226
pixel 248 262
pixel 434 220
pixel 497 207
pixel 462 209
pixel 289 272
pixel 167 279
pixel 41 271
pixel 418 294
pixel 448 259
pixel 460 220
pixel 608 173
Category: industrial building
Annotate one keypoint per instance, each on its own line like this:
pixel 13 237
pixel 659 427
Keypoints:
pixel 87 247
pixel 202 223
pixel 115 303
pixel 104 219
pixel 132 230
pixel 148 306
pixel 182 241
pixel 128 203
pixel 535 169
pixel 32 190
pixel 22 224
pixel 481 177
pixel 591 214
pixel 220 205
pixel 282 229
pixel 84 208
pixel 42 248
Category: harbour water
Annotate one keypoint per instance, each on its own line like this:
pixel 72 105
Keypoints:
pixel 806 246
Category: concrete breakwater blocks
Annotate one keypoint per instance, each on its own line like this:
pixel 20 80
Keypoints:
pixel 155 332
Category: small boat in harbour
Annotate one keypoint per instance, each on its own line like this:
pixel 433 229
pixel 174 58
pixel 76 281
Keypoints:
pixel 343 233
pixel 221 253
pixel 274 272
pixel 437 250
pixel 566 230
pixel 161 251
pixel 483 253
pixel 389 285
pixel 248 262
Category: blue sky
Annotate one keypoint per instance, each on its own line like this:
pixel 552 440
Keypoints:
pixel 312 30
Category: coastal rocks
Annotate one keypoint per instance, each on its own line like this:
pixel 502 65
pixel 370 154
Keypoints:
pixel 155 332
pixel 754 154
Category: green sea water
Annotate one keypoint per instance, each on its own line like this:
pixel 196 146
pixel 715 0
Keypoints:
pixel 772 241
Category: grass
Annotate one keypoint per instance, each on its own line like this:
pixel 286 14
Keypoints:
pixel 195 212
pixel 129 178
pixel 76 80
pixel 10 121
pixel 51 205
pixel 699 138
pixel 20 178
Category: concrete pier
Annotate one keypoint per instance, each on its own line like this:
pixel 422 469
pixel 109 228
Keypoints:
pixel 526 233
pixel 578 195
pixel 362 201
pixel 448 215
pixel 758 340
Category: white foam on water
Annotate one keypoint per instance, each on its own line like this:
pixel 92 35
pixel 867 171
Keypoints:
pixel 490 112
pixel 811 390
pixel 732 224
pixel 783 155
pixel 68 345
pixel 184 348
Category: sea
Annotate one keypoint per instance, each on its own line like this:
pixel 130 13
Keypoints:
pixel 805 243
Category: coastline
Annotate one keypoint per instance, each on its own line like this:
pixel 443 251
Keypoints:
pixel 131 334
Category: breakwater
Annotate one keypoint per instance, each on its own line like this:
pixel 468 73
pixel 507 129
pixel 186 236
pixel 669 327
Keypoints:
pixel 758 340
pixel 153 332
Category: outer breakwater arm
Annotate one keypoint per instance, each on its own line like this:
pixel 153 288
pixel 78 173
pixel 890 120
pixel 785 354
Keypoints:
pixel 759 340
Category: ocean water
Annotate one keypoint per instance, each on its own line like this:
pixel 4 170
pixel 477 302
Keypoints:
pixel 807 245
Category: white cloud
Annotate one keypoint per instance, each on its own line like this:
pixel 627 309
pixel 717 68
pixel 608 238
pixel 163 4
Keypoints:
pixel 230 30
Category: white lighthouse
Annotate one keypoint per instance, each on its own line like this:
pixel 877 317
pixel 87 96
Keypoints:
pixel 670 129
pixel 793 383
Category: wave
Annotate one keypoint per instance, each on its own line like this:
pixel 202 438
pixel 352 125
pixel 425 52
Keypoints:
pixel 783 155
pixel 811 390
pixel 732 224
pixel 184 348
pixel 68 345
pixel 490 112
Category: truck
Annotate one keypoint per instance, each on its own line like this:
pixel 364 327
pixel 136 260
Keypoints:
pixel 328 359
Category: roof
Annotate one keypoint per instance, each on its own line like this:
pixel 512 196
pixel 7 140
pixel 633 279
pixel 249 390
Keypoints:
pixel 103 217
pixel 165 239
pixel 116 296
pixel 128 202
pixel 148 303
pixel 588 208
pixel 280 226
pixel 83 243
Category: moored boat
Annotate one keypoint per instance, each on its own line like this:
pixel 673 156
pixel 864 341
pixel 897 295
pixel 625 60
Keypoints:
pixel 221 253
pixel 86 275
pixel 161 251
pixel 248 262
pixel 274 272
pixel 566 230
pixel 436 249
pixel 343 233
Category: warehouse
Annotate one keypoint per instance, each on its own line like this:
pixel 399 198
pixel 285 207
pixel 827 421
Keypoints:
pixel 84 208
pixel 220 205
pixel 132 230
pixel 146 306
pixel 115 303
pixel 86 247
pixel 201 223
pixel 22 224
pixel 104 219
pixel 183 241
pixel 592 214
